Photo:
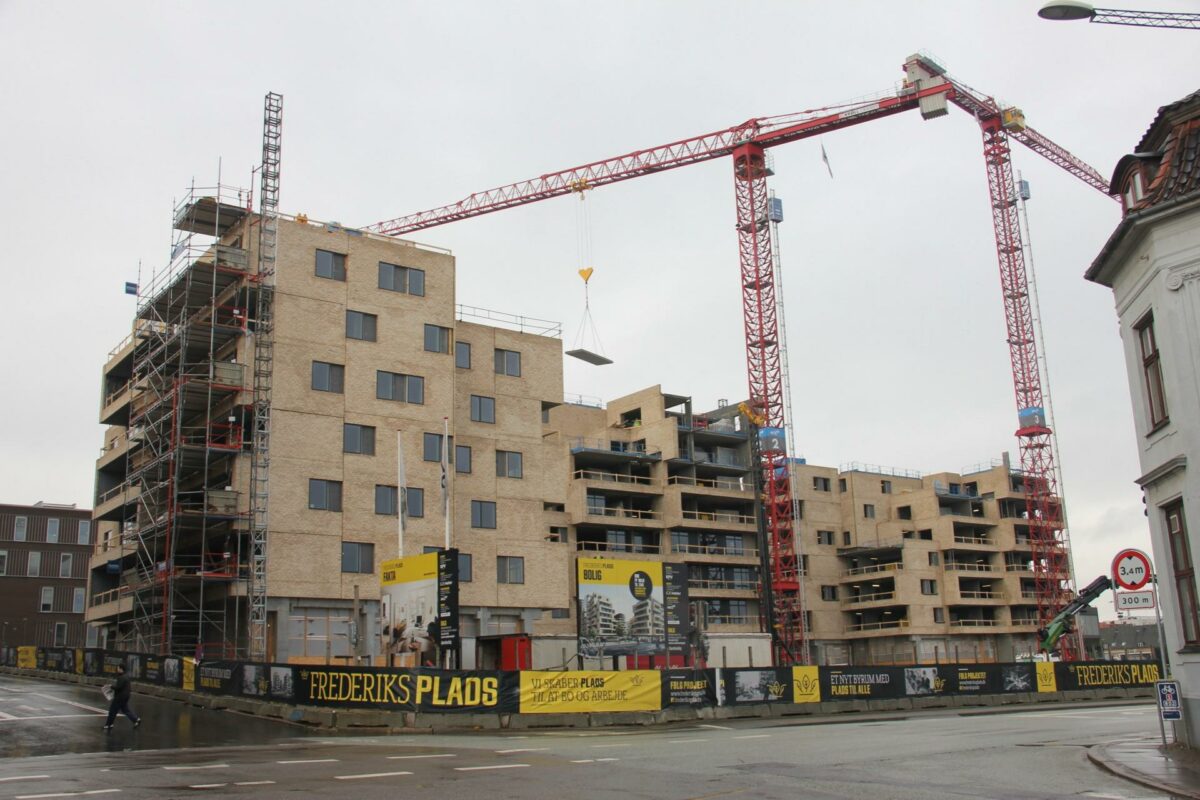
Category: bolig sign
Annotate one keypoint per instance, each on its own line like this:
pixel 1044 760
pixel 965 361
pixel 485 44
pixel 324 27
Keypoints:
pixel 1131 569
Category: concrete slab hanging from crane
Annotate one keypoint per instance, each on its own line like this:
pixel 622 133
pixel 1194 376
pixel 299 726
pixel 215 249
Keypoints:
pixel 590 357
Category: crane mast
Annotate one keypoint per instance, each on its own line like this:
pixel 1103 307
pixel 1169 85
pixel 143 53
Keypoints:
pixel 928 88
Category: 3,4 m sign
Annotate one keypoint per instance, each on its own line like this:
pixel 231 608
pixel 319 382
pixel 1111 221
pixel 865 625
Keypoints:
pixel 1131 569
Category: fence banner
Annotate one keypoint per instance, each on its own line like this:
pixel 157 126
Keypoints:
pixel 274 681
pixel 407 689
pixel 582 691
pixel 27 657
pixel 806 684
pixel 992 678
pixel 686 687
pixel 740 686
pixel 1103 675
pixel 1045 677
pixel 219 677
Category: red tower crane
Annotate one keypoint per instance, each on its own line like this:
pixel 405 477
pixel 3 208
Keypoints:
pixel 928 88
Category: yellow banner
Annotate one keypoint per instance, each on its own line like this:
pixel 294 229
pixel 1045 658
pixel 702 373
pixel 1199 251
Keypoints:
pixel 409 569
pixel 27 658
pixel 806 685
pixel 1045 676
pixel 574 692
pixel 78 662
pixel 189 674
pixel 611 572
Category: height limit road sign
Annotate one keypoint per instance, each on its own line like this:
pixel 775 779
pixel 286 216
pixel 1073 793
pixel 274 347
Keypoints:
pixel 1131 569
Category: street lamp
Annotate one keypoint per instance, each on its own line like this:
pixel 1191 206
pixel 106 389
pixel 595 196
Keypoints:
pixel 1076 9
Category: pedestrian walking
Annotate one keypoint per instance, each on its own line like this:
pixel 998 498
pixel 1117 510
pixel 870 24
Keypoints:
pixel 122 689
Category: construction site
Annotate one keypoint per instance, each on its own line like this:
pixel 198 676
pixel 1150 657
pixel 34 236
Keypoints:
pixel 298 401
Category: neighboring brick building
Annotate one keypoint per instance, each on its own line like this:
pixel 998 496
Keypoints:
pixel 44 550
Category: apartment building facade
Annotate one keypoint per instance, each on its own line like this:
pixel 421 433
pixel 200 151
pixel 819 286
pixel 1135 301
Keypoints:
pixel 44 550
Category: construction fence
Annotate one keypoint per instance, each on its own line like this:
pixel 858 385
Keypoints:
pixel 538 692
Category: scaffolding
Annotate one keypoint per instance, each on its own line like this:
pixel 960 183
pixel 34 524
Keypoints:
pixel 181 516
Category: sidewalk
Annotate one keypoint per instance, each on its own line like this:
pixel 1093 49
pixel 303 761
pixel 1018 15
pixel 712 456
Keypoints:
pixel 1175 770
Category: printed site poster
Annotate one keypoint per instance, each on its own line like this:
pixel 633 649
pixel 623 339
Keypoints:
pixel 686 687
pixel 993 678
pixel 1045 677
pixel 806 684
pixel 419 608
pixel 27 657
pixel 772 685
pixel 1103 675
pixel 583 691
pixel 424 690
pixel 632 607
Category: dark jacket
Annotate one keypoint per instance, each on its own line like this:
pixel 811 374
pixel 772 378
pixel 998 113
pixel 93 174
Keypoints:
pixel 122 689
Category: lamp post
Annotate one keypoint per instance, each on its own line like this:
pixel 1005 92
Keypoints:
pixel 1068 10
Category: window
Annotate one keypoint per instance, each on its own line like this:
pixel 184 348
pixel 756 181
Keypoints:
pixel 822 484
pixel 824 537
pixel 462 355
pixel 385 500
pixel 47 603
pixel 829 592
pixel 560 613
pixel 464 568
pixel 406 280
pixel 328 377
pixel 799 509
pixel 331 265
pixel 437 339
pixel 399 387
pixel 34 567
pixel 52 530
pixel 3 562
pixel 432 447
pixel 414 502
pixel 939 615
pixel 868 511
pixel 358 557
pixel 926 534
pixel 324 495
pixel 557 533
pixel 928 586
pixel 358 439
pixel 885 487
pixel 841 484
pixel 462 459
pixel 845 538
pixel 1152 378
pixel 483 514
pixel 1184 572
pixel 65 565
pixel 20 527
pixel 361 326
pixel 85 531
pixel 483 409
pixel 78 600
pixel 803 565
pixel 60 634
pixel 508 362
pixel 508 464
pixel 510 569
pixel 933 559
pixel 904 512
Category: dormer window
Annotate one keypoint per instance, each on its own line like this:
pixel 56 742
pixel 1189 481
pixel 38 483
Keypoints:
pixel 1135 190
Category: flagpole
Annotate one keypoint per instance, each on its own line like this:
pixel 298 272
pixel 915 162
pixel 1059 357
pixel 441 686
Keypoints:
pixel 446 476
pixel 401 492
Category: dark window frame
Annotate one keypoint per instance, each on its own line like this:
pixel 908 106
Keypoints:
pixel 510 569
pixel 416 287
pixel 483 512
pixel 505 361
pixel 328 377
pixel 358 436
pixel 330 494
pixel 335 266
pixel 1183 571
pixel 1152 377
pixel 462 354
pixel 443 338
pixel 352 556
pixel 481 411
pixel 362 326
pixel 504 462
pixel 412 387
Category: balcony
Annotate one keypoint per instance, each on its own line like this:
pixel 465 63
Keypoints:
pixel 861 599
pixel 960 566
pixel 973 540
pixel 872 569
pixel 715 551
pixel 114 407
pixel 730 620
pixel 882 625
pixel 726 517
pixel 616 547
pixel 617 451
pixel 970 594
pixel 110 504
pixel 712 484
pixel 974 623
pixel 709 585
pixel 609 512
pixel 616 480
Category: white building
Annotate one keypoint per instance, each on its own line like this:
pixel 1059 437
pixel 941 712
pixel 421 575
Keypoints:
pixel 1152 264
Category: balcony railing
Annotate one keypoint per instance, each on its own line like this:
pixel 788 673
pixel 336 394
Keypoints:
pixel 956 566
pixel 711 583
pixel 606 445
pixel 623 513
pixel 878 626
pixel 720 460
pixel 871 569
pixel 1027 595
pixel 868 598
pixel 724 484
pixel 719 516
pixel 1018 568
pixel 971 539
pixel 969 595
pixel 715 550
pixel 715 620
pixel 617 547
pixel 611 477
pixel 1024 621
pixel 973 623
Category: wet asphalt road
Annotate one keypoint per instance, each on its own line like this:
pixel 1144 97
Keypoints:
pixel 184 752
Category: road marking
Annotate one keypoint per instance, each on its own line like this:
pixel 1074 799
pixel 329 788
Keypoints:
pixel 685 741
pixel 755 736
pixel 494 766
pixel 24 778
pixel 523 750
pixel 584 761
pixel 7 716
pixel 73 703
pixel 611 745
pixel 207 785
pixel 714 727
pixel 602 760
pixel 431 755
pixel 369 775
pixel 66 794
pixel 48 716
pixel 199 766
pixel 309 761
pixel 254 783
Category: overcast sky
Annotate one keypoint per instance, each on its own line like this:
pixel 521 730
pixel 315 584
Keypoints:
pixel 894 315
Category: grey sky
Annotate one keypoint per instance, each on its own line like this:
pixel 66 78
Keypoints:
pixel 894 316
